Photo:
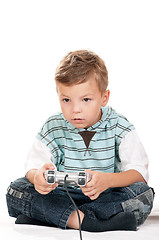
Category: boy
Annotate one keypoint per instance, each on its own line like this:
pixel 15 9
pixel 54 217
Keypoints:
pixel 88 135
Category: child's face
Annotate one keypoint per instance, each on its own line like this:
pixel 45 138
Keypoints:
pixel 81 103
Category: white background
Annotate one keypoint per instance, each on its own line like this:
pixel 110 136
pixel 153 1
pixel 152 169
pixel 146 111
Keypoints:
pixel 36 34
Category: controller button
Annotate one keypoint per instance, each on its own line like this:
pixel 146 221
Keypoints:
pixel 82 173
pixel 81 181
pixel 50 179
pixel 51 171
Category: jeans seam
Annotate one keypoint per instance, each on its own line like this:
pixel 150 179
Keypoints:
pixel 130 191
pixel 65 216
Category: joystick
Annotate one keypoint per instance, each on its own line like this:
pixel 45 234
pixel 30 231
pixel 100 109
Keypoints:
pixel 75 179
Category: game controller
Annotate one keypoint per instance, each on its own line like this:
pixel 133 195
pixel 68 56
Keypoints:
pixel 74 179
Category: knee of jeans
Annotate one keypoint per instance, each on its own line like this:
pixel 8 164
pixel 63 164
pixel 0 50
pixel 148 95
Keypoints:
pixel 140 205
pixel 19 196
pixel 22 184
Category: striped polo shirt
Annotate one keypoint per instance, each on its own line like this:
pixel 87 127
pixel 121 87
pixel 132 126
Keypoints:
pixel 94 148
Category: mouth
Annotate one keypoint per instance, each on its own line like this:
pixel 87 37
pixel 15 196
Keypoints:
pixel 78 120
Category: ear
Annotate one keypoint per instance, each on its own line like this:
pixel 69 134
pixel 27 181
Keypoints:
pixel 106 95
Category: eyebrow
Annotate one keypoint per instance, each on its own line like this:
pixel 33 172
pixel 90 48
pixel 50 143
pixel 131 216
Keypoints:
pixel 63 95
pixel 83 96
pixel 87 94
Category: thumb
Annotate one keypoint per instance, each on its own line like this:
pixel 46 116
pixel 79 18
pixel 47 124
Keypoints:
pixel 90 173
pixel 48 166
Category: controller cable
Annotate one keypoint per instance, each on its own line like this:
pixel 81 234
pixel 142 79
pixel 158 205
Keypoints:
pixel 76 208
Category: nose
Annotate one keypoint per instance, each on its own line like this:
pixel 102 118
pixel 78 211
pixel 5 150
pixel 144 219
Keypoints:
pixel 76 108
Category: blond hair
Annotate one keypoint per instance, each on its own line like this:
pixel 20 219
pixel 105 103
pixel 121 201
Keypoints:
pixel 76 67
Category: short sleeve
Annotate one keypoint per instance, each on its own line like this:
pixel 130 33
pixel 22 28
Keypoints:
pixel 46 136
pixel 123 127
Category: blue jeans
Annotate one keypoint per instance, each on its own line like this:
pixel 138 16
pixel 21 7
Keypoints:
pixel 56 207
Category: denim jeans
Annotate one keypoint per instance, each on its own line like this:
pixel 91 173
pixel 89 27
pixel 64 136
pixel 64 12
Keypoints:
pixel 56 207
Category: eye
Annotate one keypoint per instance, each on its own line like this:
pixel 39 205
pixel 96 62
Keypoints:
pixel 86 99
pixel 66 100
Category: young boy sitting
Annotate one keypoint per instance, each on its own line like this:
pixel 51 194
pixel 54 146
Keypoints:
pixel 87 136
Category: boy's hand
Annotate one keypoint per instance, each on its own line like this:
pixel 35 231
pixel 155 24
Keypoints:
pixel 40 182
pixel 99 182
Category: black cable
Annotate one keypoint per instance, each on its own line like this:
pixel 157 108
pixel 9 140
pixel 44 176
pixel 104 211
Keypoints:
pixel 76 208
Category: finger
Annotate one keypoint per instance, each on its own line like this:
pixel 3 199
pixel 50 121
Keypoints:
pixel 90 193
pixel 94 196
pixel 44 189
pixel 48 166
pixel 90 184
pixel 90 173
pixel 51 187
pixel 41 190
pixel 86 190
pixel 44 192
